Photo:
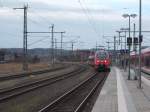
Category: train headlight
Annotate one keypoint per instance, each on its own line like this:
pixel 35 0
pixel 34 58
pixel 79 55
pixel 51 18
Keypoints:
pixel 97 61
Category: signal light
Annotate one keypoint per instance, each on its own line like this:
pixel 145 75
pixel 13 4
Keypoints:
pixel 129 41
pixel 141 38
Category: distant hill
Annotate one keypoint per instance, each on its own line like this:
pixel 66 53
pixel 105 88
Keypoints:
pixel 41 52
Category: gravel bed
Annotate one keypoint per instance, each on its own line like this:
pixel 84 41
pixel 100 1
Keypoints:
pixel 35 100
pixel 13 72
pixel 72 101
pixel 90 103
pixel 19 81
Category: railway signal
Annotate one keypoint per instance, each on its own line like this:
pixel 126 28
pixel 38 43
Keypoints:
pixel 135 40
pixel 129 41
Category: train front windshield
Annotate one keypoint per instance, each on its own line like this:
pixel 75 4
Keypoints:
pixel 102 55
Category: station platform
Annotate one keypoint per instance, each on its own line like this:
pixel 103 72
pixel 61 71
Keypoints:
pixel 121 95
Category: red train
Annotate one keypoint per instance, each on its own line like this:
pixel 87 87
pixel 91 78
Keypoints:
pixel 102 60
pixel 145 58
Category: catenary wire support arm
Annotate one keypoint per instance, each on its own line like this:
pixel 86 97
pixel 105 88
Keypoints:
pixel 44 32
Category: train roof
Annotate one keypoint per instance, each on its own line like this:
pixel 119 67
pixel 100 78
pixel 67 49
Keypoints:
pixel 143 51
pixel 101 50
pixel 146 50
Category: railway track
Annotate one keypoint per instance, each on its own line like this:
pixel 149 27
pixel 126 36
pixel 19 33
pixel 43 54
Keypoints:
pixel 75 99
pixel 16 91
pixel 146 72
pixel 146 75
pixel 9 77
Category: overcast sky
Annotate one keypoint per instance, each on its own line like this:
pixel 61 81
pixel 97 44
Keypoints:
pixel 89 19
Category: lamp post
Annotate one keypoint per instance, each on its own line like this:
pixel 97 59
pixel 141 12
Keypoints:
pixel 140 40
pixel 130 39
pixel 135 43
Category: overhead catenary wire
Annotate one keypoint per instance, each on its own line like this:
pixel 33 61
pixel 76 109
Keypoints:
pixel 33 21
pixel 37 22
pixel 47 21
pixel 86 12
pixel 30 20
pixel 90 17
pixel 38 41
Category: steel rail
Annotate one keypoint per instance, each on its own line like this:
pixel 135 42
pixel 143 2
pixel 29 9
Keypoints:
pixel 9 77
pixel 16 91
pixel 61 98
pixel 82 104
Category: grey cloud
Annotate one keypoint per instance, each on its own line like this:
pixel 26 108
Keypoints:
pixel 77 10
